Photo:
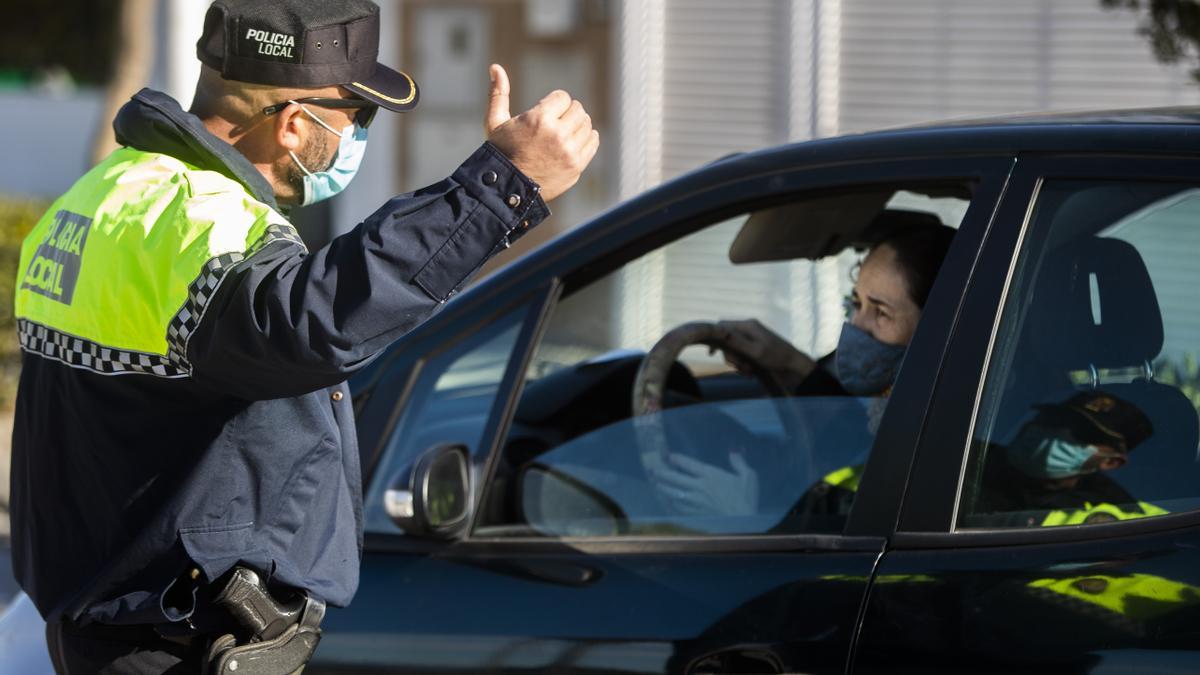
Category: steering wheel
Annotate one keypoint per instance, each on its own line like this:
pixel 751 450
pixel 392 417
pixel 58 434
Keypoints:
pixel 649 385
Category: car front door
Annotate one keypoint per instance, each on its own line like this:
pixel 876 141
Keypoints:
pixel 575 560
pixel 1051 523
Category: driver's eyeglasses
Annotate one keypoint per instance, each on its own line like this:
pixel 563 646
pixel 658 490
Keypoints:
pixel 363 116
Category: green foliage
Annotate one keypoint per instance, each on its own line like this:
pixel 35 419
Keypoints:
pixel 1171 26
pixel 1184 374
pixel 17 217
pixel 79 36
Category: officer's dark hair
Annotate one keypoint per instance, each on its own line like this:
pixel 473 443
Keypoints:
pixel 920 251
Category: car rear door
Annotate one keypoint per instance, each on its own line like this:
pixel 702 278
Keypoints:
pixel 565 594
pixel 1082 306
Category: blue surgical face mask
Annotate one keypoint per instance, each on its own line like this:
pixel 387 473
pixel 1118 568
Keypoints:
pixel 1050 457
pixel 865 366
pixel 325 184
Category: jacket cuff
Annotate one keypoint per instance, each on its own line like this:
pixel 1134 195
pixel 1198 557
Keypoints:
pixel 509 205
pixel 490 177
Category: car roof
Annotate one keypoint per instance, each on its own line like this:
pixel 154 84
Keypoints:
pixel 1143 132
pixel 1174 131
pixel 1162 115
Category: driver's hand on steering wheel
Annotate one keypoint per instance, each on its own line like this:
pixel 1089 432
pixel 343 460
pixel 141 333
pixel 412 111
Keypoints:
pixel 763 346
pixel 695 488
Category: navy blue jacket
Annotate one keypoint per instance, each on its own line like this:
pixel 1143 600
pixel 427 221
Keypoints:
pixel 120 484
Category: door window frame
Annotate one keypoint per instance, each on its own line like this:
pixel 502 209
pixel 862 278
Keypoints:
pixel 878 499
pixel 929 511
pixel 394 381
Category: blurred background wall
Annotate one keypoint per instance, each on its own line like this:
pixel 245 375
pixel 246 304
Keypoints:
pixel 670 84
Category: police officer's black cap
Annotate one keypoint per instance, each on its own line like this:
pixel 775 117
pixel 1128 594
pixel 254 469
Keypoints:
pixel 303 43
pixel 1103 417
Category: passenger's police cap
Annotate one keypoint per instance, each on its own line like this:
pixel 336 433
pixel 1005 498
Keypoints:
pixel 303 43
pixel 1104 416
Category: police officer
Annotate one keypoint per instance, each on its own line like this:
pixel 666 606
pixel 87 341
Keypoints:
pixel 184 437
pixel 1054 471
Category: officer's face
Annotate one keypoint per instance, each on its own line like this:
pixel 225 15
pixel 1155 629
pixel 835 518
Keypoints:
pixel 322 144
pixel 318 144
pixel 1107 458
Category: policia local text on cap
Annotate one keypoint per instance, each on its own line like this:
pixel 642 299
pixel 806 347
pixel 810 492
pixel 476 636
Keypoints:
pixel 201 501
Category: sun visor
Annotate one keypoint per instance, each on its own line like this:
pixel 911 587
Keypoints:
pixel 813 228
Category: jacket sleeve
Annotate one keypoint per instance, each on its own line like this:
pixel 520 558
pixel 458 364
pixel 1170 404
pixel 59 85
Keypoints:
pixel 283 323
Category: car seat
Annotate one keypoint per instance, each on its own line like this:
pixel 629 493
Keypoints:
pixel 1094 321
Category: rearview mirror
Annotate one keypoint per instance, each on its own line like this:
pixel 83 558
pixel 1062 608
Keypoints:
pixel 433 500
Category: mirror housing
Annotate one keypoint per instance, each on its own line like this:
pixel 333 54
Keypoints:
pixel 433 500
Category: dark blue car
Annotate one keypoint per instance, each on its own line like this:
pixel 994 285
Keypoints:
pixel 513 523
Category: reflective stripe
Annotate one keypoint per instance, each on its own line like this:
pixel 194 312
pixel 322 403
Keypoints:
pixel 80 353
pixel 1097 513
pixel 117 275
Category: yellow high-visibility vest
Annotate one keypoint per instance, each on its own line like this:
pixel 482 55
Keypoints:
pixel 117 274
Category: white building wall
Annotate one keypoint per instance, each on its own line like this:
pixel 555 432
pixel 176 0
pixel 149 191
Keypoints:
pixel 736 76
pixel 47 139
pixel 638 93
pixel 184 21
pixel 725 81
pixel 919 60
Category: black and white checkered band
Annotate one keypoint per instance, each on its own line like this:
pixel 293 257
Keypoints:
pixel 205 285
pixel 276 232
pixel 200 291
pixel 78 352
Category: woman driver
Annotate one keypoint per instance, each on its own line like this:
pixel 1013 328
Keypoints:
pixel 885 305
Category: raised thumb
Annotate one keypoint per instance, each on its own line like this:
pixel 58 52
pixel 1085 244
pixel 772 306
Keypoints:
pixel 497 112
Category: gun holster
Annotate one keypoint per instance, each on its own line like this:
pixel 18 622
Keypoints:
pixel 273 638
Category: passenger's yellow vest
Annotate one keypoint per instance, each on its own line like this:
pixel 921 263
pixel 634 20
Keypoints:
pixel 1100 513
pixel 848 478
pixel 117 274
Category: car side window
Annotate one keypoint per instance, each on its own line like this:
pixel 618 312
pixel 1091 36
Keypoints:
pixel 449 404
pixel 641 417
pixel 1089 407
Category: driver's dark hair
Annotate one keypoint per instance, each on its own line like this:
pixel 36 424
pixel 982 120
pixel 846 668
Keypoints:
pixel 920 251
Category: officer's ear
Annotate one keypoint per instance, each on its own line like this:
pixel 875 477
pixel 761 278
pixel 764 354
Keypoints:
pixel 287 127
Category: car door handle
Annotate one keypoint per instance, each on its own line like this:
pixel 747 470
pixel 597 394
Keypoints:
pixel 738 659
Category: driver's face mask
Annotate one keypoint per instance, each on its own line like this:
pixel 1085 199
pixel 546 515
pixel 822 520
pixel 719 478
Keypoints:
pixel 865 366
pixel 325 184
pixel 1043 455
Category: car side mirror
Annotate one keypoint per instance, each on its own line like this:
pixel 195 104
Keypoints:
pixel 433 499
pixel 556 504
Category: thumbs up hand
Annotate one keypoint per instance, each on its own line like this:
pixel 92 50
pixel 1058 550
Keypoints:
pixel 551 143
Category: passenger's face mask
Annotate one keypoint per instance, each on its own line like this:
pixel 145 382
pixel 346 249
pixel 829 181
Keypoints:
pixel 325 184
pixel 1050 457
pixel 865 366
